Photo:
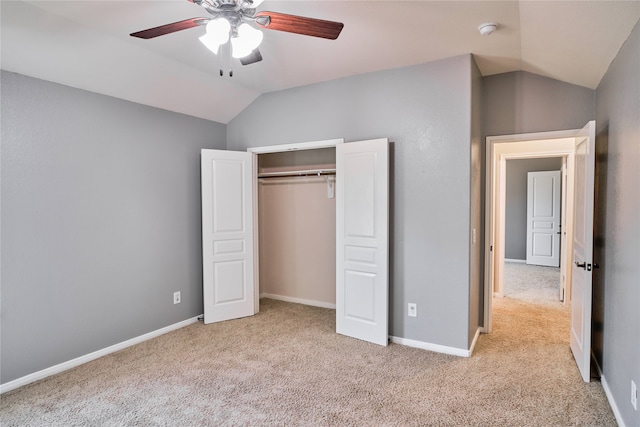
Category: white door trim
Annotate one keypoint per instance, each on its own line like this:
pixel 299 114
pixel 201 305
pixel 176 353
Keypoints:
pixel 499 150
pixel 312 145
pixel 327 143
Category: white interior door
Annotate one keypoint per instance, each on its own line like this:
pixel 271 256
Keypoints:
pixel 227 235
pixel 362 240
pixel 583 249
pixel 543 218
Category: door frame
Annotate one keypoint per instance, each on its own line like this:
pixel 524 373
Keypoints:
pixel 312 145
pixel 499 149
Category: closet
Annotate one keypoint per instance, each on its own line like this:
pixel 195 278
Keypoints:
pixel 297 226
pixel 299 222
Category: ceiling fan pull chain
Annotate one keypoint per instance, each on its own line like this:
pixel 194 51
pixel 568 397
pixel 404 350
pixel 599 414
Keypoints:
pixel 229 58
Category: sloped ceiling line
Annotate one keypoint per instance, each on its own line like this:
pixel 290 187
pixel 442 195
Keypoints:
pixel 86 44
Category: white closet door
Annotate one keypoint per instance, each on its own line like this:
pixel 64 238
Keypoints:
pixel 227 235
pixel 362 240
pixel 580 339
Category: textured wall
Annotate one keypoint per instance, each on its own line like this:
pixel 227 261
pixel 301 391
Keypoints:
pixel 516 202
pixel 425 111
pixel 521 102
pixel 100 221
pixel 618 106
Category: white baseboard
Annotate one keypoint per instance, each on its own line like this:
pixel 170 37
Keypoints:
pixel 299 300
pixel 27 379
pixel 475 340
pixel 612 402
pixel 519 261
pixel 432 347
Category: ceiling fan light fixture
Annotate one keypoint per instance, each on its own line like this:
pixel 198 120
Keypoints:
pixel 255 3
pixel 247 40
pixel 217 34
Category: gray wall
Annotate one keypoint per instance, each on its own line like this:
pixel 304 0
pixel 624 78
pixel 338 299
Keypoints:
pixel 516 202
pixel 618 106
pixel 100 221
pixel 521 102
pixel 425 111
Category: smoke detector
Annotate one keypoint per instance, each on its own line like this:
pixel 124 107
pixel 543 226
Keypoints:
pixel 487 28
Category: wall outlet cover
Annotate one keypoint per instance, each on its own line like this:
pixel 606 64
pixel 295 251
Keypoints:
pixel 176 297
pixel 412 310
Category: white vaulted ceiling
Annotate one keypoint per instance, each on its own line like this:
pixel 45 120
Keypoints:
pixel 86 44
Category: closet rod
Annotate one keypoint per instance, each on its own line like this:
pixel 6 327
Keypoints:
pixel 309 172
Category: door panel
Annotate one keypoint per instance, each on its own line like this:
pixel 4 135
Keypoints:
pixel 543 218
pixel 227 235
pixel 580 336
pixel 362 240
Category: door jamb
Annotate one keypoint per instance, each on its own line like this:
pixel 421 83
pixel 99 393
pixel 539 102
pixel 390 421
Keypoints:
pixel 313 145
pixel 499 149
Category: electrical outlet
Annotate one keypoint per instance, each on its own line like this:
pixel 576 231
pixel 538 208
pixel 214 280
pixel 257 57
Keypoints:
pixel 176 297
pixel 634 395
pixel 413 310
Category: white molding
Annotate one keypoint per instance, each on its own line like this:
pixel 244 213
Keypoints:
pixel 612 402
pixel 474 341
pixel 299 300
pixel 556 134
pixel 312 145
pixel 61 367
pixel 299 146
pixel 437 348
pixel 519 261
pixel 498 150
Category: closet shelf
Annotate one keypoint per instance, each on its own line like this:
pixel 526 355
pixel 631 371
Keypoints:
pixel 308 172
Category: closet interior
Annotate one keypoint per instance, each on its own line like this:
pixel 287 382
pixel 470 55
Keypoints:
pixel 297 226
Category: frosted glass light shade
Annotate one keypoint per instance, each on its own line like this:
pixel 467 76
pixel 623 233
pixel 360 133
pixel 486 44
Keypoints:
pixel 247 40
pixel 217 34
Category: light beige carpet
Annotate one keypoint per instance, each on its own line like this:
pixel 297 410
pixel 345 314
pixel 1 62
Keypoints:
pixel 534 283
pixel 287 367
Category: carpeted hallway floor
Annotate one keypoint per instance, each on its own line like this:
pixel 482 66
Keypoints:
pixel 287 367
pixel 533 283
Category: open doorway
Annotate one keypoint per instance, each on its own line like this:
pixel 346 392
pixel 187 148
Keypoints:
pixel 533 230
pixel 501 149
pixel 577 147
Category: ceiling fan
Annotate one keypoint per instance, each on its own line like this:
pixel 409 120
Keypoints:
pixel 230 21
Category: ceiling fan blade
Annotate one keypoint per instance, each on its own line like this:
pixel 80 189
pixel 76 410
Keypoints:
pixel 299 24
pixel 170 28
pixel 254 56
